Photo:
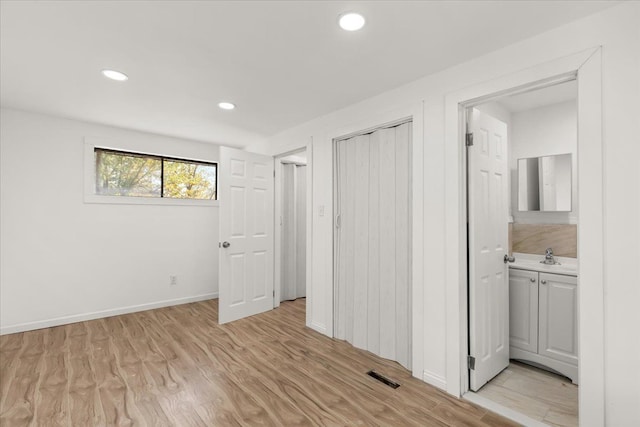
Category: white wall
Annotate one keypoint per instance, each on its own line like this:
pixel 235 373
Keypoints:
pixel 496 110
pixel 616 29
pixel 538 132
pixel 63 259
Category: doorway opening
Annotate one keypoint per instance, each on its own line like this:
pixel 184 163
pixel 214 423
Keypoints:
pixel 291 188
pixel 522 271
pixel 372 304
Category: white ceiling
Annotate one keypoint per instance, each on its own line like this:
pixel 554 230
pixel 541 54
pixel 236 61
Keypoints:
pixel 282 63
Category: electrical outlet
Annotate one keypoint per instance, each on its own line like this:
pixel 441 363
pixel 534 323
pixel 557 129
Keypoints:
pixel 173 280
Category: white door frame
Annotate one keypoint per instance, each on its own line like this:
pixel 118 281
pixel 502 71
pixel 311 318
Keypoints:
pixel 415 112
pixel 587 66
pixel 277 225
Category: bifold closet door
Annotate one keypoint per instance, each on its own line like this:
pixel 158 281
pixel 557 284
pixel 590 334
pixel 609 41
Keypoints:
pixel 373 307
pixel 293 262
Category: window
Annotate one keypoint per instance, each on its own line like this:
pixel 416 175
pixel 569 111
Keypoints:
pixel 184 179
pixel 121 173
pixel 127 174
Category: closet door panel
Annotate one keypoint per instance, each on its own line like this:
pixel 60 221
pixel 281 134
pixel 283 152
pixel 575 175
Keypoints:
pixel 341 249
pixel 372 258
pixel 348 230
pixel 361 241
pixel 387 244
pixel 373 318
pixel 403 326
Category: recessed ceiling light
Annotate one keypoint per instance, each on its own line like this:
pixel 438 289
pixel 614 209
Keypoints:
pixel 226 105
pixel 351 21
pixel 115 75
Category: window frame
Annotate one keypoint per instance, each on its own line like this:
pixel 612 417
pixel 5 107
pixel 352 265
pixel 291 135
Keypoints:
pixel 90 170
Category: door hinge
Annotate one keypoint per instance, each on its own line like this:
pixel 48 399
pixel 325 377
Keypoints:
pixel 471 363
pixel 274 293
pixel 469 139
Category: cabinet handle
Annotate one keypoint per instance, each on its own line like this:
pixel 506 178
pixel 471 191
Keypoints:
pixel 532 280
pixel 544 282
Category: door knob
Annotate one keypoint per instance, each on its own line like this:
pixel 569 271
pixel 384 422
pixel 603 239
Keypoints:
pixel 532 280
pixel 544 282
pixel 226 244
pixel 508 258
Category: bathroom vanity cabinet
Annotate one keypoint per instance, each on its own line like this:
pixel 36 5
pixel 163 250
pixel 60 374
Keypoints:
pixel 543 320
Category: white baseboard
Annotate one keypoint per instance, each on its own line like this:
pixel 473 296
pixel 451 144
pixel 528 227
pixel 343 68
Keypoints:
pixel 435 380
pixel 29 326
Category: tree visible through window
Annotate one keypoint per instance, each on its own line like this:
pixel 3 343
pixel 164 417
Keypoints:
pixel 120 173
pixel 189 180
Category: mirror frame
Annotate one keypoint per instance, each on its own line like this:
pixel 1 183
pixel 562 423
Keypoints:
pixel 520 188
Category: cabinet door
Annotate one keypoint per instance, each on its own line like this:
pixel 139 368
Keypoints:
pixel 523 309
pixel 558 337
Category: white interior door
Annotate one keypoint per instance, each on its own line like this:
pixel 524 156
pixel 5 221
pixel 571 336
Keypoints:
pixel 488 244
pixel 246 234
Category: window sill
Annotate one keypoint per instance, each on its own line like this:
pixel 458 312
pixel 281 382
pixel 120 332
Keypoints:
pixel 126 200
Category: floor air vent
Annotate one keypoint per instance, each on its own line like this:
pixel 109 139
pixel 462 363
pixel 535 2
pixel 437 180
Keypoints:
pixel 383 379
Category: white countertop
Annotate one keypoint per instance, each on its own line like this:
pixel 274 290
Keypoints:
pixel 567 266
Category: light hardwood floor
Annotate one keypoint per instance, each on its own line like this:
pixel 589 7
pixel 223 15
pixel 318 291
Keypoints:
pixel 176 366
pixel 539 394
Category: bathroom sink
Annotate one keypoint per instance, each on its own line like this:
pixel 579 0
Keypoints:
pixel 568 266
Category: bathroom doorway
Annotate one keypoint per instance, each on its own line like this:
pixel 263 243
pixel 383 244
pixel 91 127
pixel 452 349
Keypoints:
pixel 522 294
pixel 291 173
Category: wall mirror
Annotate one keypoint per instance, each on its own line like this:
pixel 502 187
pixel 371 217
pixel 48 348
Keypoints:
pixel 544 183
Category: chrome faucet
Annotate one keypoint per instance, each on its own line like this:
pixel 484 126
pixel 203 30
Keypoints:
pixel 548 257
